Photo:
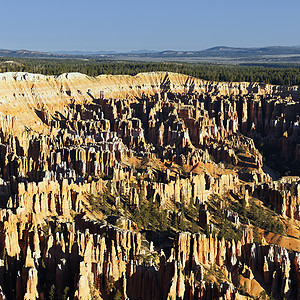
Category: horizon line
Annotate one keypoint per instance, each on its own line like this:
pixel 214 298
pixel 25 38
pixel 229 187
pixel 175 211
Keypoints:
pixel 140 50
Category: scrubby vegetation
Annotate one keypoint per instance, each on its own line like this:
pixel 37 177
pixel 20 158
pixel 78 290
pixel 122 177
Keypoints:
pixel 149 217
pixel 226 229
pixel 258 215
pixel 264 218
pixel 214 272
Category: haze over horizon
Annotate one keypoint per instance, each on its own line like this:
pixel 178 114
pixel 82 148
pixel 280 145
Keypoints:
pixel 138 51
pixel 127 26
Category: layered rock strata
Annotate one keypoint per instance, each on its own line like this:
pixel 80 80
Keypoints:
pixel 71 145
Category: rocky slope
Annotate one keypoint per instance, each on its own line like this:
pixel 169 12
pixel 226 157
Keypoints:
pixel 22 93
pixel 157 186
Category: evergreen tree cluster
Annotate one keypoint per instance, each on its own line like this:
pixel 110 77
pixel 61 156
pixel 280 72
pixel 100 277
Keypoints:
pixel 271 74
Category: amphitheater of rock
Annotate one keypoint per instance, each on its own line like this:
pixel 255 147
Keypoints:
pixel 162 137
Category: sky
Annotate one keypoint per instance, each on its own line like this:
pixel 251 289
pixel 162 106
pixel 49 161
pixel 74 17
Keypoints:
pixel 126 25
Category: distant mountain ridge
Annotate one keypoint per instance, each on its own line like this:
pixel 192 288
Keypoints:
pixel 272 50
pixel 65 54
pixel 224 51
pixel 218 53
pixel 82 52
pixel 25 53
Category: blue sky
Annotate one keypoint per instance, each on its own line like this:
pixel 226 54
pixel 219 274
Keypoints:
pixel 124 25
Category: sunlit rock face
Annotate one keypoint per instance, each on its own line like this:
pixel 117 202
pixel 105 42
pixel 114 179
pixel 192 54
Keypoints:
pixel 146 187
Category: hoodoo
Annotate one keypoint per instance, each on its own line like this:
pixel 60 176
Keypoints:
pixel 154 186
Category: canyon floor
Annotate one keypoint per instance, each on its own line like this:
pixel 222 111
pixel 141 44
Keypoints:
pixel 154 186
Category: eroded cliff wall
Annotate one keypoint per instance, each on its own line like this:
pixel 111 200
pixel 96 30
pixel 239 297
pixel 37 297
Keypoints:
pixel 148 187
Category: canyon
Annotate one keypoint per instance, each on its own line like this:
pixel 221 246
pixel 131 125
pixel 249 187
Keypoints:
pixel 154 186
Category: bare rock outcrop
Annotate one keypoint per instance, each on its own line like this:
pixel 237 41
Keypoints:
pixel 102 181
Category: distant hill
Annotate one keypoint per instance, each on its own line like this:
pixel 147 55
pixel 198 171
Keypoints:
pixel 67 54
pixel 102 52
pixel 223 51
pixel 143 51
pixel 26 53
pixel 274 50
pixel 218 54
pixel 84 53
pixel 221 54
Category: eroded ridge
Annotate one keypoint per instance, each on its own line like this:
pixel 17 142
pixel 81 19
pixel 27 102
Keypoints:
pixel 171 191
